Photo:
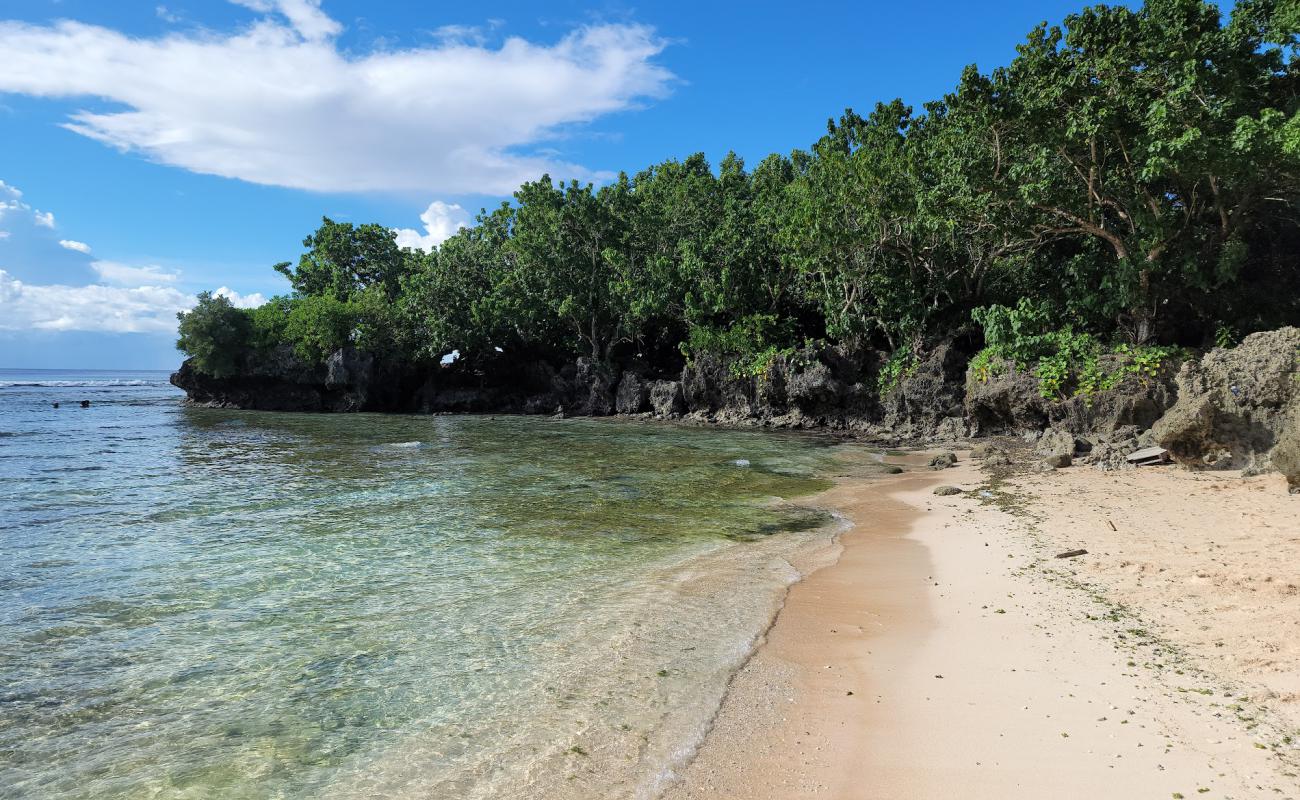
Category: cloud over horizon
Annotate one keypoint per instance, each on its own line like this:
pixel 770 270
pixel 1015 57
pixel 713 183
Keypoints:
pixel 279 103
pixel 121 297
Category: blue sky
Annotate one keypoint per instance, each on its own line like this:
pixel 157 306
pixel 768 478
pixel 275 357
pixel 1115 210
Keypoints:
pixel 152 150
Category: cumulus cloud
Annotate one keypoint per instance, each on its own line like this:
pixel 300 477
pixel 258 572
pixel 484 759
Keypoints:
pixel 240 300
pixel 441 221
pixel 127 274
pixel 72 244
pixel 279 103
pixel 11 200
pixel 111 309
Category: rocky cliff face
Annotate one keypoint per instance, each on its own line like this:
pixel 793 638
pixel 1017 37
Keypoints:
pixel 1237 408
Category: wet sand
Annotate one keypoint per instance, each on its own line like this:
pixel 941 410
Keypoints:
pixel 948 654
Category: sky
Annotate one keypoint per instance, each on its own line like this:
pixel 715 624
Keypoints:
pixel 150 151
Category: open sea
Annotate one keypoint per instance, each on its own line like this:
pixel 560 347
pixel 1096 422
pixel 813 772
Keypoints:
pixel 200 603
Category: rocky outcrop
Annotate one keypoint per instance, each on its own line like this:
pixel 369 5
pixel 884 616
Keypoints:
pixel 281 381
pixel 1005 402
pixel 928 401
pixel 1137 399
pixel 632 395
pixel 1009 401
pixel 1237 406
pixel 666 399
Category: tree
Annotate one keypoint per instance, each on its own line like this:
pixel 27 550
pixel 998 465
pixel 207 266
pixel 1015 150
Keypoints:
pixel 215 335
pixel 1160 134
pixel 343 258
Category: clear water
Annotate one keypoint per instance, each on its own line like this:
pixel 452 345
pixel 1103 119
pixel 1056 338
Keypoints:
pixel 198 603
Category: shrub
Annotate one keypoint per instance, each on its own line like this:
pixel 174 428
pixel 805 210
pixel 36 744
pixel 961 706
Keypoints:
pixel 900 366
pixel 215 335
pixel 749 346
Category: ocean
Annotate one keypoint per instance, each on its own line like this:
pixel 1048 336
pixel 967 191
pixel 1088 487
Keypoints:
pixel 200 603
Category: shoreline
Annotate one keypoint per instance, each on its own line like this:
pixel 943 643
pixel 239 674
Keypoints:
pixel 947 653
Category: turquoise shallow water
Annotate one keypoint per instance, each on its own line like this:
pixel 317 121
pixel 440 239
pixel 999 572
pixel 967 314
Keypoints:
pixel 203 603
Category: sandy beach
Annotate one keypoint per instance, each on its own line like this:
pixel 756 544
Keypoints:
pixel 949 653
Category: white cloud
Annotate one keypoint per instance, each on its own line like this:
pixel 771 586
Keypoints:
pixel 283 105
pixel 304 15
pixel 4 234
pixel 72 244
pixel 241 300
pixel 441 221
pixel 112 309
pixel 15 202
pixel 126 274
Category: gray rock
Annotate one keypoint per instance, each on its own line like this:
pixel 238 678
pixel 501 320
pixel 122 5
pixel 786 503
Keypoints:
pixel 1236 406
pixel 666 398
pixel 1286 453
pixel 943 460
pixel 814 388
pixel 593 389
pixel 1059 460
pixel 947 491
pixel 929 395
pixel 997 459
pixel 633 394
pixel 1007 402
pixel 1056 442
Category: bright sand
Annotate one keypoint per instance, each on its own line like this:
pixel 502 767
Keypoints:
pixel 949 654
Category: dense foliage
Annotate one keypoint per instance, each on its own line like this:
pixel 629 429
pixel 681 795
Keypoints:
pixel 1131 178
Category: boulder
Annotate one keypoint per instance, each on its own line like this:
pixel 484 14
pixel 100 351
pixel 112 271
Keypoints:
pixel 1111 450
pixel 666 399
pixel 633 394
pixel 1056 442
pixel 1286 453
pixel 947 491
pixel 1236 406
pixel 943 460
pixel 814 389
pixel 1059 460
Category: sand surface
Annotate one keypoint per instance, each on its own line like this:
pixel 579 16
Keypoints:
pixel 949 654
